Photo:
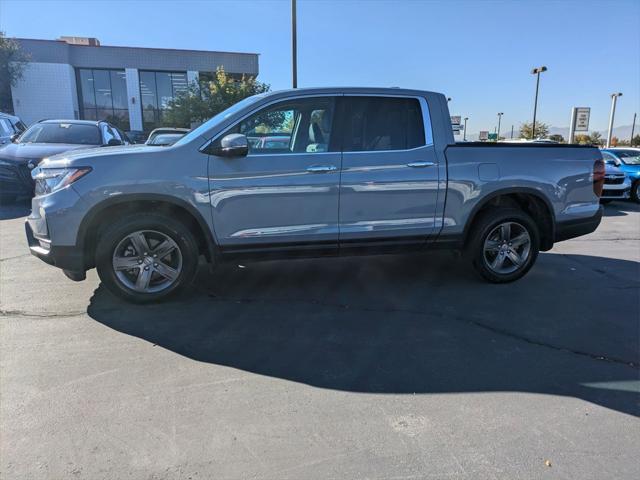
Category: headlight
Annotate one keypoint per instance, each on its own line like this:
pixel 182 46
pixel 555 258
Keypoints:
pixel 52 179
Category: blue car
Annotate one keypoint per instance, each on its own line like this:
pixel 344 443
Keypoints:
pixel 627 160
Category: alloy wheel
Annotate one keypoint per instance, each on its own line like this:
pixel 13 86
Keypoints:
pixel 147 261
pixel 507 248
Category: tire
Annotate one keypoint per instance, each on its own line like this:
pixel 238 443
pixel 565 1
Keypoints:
pixel 486 244
pixel 168 266
pixel 606 201
pixel 635 191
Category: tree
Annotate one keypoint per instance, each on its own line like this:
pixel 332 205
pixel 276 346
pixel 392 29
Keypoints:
pixel 12 64
pixel 542 130
pixel 556 138
pixel 594 139
pixel 201 102
pixel 635 141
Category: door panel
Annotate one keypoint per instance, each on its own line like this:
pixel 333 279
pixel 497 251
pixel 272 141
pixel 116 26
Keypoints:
pixel 285 191
pixel 382 196
pixel 389 182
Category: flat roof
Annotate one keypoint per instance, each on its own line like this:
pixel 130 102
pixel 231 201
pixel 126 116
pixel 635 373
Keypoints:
pixel 142 58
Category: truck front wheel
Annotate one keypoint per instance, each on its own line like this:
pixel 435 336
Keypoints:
pixel 146 257
pixel 503 244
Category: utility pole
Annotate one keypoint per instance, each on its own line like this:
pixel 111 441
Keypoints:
pixel 511 132
pixel 294 45
pixel 614 99
pixel 464 133
pixel 499 119
pixel 633 128
pixel 536 71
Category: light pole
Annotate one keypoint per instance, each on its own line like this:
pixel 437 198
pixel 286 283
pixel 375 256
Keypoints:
pixel 633 129
pixel 464 132
pixel 499 118
pixel 294 46
pixel 614 99
pixel 536 71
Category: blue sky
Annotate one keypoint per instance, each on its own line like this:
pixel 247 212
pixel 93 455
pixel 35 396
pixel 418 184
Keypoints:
pixel 479 53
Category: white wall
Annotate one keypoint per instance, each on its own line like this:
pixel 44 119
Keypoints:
pixel 46 90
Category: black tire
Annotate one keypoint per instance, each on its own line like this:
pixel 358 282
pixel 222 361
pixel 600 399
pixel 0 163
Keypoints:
pixel 114 235
pixel 485 225
pixel 635 191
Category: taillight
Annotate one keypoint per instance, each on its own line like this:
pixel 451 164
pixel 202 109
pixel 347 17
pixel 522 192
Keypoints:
pixel 598 177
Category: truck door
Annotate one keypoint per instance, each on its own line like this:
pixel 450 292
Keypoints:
pixel 389 181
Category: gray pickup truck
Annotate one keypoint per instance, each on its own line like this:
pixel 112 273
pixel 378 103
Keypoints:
pixel 309 172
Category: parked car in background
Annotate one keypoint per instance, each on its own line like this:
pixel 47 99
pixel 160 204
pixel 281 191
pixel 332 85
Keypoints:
pixel 10 126
pixel 274 142
pixel 166 136
pixel 137 136
pixel 627 160
pixel 44 139
pixel 366 170
pixel 617 185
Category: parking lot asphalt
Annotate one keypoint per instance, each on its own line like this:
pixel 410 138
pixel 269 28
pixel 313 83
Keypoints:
pixel 365 367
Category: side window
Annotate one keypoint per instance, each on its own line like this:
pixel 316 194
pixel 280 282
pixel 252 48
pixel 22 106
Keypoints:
pixel 382 123
pixel 5 127
pixel 292 126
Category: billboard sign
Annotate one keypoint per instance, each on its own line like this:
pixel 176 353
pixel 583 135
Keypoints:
pixel 483 136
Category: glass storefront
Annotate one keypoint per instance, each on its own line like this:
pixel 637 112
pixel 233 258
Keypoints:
pixel 157 89
pixel 103 96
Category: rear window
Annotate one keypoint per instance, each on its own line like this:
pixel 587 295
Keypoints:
pixel 382 123
pixel 72 133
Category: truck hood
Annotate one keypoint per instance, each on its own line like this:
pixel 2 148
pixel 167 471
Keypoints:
pixel 88 156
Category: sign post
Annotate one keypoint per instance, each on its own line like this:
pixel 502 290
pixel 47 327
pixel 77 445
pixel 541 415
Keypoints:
pixel 579 121
pixel 455 124
pixel 483 136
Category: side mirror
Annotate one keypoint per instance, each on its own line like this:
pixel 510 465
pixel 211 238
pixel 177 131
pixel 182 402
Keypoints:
pixel 232 145
pixel 14 137
pixel 114 142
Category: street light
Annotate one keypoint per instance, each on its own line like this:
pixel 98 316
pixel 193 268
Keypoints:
pixel 536 71
pixel 614 99
pixel 499 118
pixel 464 132
pixel 294 46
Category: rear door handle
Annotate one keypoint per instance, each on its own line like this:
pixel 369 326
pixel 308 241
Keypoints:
pixel 420 164
pixel 322 168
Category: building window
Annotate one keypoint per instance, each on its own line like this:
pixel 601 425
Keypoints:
pixel 157 89
pixel 103 96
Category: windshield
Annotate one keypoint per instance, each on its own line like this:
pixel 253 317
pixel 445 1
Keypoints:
pixel 62 133
pixel 629 157
pixel 206 126
pixel 165 139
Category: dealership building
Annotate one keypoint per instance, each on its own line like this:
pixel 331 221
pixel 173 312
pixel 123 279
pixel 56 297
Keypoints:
pixel 76 77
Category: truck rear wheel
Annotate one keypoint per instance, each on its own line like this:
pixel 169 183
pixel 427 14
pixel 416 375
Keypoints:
pixel 504 244
pixel 144 258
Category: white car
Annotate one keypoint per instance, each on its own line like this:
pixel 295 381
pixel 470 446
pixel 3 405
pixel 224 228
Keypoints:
pixel 617 184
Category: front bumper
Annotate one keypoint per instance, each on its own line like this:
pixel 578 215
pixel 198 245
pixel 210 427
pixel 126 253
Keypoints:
pixel 66 258
pixel 619 191
pixel 578 227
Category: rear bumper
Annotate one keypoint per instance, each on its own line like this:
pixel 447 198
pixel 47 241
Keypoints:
pixel 66 258
pixel 578 227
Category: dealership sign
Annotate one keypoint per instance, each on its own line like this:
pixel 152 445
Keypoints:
pixel 582 119
pixel 484 135
pixel 455 124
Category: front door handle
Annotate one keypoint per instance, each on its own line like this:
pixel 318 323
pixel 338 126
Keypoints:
pixel 420 164
pixel 322 168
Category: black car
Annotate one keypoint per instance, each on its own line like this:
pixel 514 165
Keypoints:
pixel 44 139
pixel 10 126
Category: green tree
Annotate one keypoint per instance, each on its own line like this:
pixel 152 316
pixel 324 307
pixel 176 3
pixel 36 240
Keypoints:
pixel 635 141
pixel 526 129
pixel 201 102
pixel 594 138
pixel 12 63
